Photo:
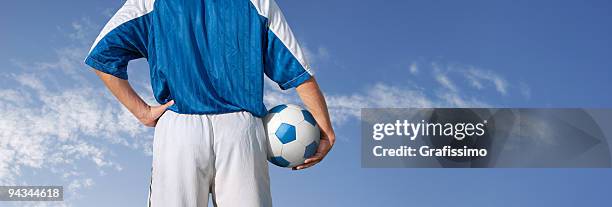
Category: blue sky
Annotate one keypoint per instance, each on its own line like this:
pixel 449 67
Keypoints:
pixel 60 126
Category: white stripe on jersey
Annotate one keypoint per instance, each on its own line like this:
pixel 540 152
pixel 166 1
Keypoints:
pixel 132 9
pixel 279 26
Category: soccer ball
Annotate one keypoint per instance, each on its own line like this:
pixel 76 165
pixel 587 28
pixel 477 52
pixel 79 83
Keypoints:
pixel 293 134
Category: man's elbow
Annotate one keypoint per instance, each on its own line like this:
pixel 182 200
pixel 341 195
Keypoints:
pixel 310 84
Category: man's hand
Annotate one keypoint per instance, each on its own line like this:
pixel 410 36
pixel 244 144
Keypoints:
pixel 147 115
pixel 151 114
pixel 315 102
pixel 325 145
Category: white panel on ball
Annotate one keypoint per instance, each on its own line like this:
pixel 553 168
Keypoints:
pixel 276 146
pixel 294 153
pixel 306 133
pixel 292 116
pixel 273 123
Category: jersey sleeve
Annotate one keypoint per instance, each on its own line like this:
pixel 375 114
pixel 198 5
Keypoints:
pixel 285 62
pixel 124 38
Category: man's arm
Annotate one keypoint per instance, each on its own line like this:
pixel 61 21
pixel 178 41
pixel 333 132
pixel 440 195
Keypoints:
pixel 124 92
pixel 314 100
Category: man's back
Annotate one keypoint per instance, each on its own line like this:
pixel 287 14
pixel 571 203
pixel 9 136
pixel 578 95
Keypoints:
pixel 207 55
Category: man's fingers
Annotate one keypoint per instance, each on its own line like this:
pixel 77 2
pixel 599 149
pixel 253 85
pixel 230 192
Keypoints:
pixel 309 165
pixel 322 150
pixel 304 166
pixel 163 107
pixel 317 156
pixel 324 147
pixel 159 110
pixel 310 162
pixel 166 105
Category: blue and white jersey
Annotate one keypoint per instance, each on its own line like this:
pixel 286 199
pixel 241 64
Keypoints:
pixel 209 56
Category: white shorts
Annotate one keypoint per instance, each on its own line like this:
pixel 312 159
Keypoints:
pixel 196 155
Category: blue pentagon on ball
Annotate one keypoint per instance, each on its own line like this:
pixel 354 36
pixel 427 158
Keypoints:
pixel 308 117
pixel 311 149
pixel 277 109
pixel 280 161
pixel 285 133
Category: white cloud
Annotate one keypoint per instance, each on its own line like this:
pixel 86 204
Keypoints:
pixel 414 68
pixel 14 97
pixel 346 107
pixel 445 81
pixel 55 119
pixel 30 80
pixel 477 76
pixel 449 99
pixel 476 83
pixel 317 57
pixel 59 127
pixel 79 184
pixel 442 77
pixel 82 31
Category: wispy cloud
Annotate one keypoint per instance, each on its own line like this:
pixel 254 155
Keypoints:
pixel 445 81
pixel 441 76
pixel 344 108
pixel 316 56
pixel 49 128
pixel 414 68
pixel 477 77
pixel 447 93
pixel 56 119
